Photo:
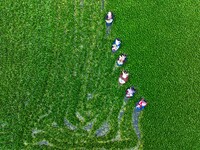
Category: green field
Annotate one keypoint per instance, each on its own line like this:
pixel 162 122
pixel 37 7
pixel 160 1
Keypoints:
pixel 56 65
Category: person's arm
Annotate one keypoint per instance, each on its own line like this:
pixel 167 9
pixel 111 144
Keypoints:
pixel 121 75
pixel 112 16
pixel 142 99
pixel 106 17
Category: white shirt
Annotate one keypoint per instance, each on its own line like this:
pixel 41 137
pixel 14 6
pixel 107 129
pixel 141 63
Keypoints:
pixel 121 81
pixel 117 42
pixel 124 75
pixel 130 91
pixel 109 21
pixel 120 62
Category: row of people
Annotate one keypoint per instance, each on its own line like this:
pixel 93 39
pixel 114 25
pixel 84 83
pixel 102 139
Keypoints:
pixel 123 78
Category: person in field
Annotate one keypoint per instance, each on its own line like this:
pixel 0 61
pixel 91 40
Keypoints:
pixel 121 60
pixel 123 78
pixel 130 92
pixel 116 45
pixel 141 104
pixel 109 19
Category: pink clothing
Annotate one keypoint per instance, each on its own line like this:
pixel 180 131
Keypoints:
pixel 109 15
pixel 142 103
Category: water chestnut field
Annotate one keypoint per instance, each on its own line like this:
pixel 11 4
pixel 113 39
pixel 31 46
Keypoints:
pixel 59 82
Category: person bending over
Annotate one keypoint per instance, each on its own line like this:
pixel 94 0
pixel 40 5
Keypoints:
pixel 130 92
pixel 141 104
pixel 121 60
pixel 123 78
pixel 109 19
pixel 116 45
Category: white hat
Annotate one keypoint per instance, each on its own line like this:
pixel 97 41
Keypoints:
pixel 109 14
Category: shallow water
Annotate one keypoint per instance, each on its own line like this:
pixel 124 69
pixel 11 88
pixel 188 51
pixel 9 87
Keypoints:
pixel 89 126
pixel 35 131
pixel 44 142
pixel 121 113
pixel 103 130
pixel 69 125
pixel 135 120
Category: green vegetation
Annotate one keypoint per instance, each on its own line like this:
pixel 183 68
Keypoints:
pixel 53 54
pixel 162 40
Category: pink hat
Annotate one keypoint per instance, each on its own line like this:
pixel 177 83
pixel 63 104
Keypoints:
pixel 109 14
